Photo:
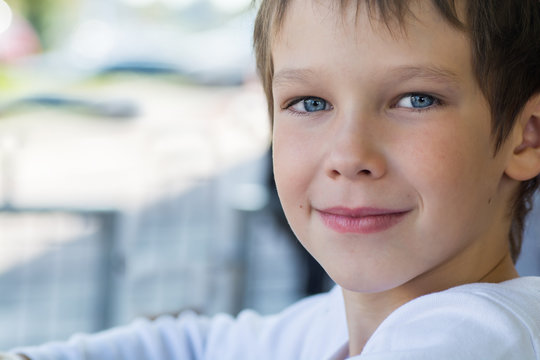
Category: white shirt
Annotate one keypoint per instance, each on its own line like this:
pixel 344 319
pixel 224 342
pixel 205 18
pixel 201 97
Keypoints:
pixel 475 321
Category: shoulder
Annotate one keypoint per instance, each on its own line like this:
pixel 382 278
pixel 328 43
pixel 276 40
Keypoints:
pixel 190 336
pixel 304 312
pixel 495 321
pixel 293 333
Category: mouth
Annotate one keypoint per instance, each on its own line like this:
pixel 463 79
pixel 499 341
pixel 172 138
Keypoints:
pixel 361 220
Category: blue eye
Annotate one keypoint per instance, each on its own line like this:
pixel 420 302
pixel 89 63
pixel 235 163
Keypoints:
pixel 417 101
pixel 308 105
pixel 314 104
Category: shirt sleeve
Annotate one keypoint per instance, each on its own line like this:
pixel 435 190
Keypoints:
pixel 166 338
pixel 188 337
pixel 456 325
pixel 287 335
pixel 5 356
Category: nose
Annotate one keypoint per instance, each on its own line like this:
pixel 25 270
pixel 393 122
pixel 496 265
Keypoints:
pixel 355 152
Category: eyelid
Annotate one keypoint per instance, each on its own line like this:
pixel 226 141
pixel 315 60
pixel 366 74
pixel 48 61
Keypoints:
pixel 437 100
pixel 294 101
pixel 290 103
pixel 297 99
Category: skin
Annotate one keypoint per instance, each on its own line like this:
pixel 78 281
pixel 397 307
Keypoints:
pixel 369 146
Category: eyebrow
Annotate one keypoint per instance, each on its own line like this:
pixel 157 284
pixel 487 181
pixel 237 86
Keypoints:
pixel 400 73
pixel 285 76
pixel 427 72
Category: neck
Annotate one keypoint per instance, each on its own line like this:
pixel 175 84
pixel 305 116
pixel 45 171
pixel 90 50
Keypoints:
pixel 366 311
pixel 504 270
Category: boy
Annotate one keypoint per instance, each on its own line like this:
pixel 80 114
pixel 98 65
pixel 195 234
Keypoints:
pixel 406 151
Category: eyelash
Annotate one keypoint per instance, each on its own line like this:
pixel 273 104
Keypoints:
pixel 288 106
pixel 436 102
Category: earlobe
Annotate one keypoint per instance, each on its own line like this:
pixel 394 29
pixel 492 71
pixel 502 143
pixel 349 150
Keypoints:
pixel 525 160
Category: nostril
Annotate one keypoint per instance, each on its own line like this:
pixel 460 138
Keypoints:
pixel 336 173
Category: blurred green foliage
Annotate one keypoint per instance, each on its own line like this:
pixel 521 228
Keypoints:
pixel 50 18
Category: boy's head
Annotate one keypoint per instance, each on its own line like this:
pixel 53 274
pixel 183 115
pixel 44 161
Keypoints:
pixel 404 131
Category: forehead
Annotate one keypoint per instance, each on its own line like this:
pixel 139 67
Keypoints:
pixel 314 34
pixel 393 13
pixel 392 16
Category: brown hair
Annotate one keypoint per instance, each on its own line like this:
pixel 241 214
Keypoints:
pixel 505 57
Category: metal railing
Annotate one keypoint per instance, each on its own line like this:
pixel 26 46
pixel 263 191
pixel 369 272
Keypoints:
pixel 59 271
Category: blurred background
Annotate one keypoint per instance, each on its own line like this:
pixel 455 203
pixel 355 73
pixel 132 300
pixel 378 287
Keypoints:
pixel 135 178
pixel 134 170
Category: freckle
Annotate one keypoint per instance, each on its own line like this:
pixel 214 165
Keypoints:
pixel 489 201
pixel 301 206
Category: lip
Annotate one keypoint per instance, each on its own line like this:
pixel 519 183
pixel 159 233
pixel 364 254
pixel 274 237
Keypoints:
pixel 366 220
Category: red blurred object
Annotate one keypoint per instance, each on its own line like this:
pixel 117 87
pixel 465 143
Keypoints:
pixel 18 41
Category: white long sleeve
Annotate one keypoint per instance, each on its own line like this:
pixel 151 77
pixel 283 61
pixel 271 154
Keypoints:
pixel 476 321
pixel 469 322
pixel 287 335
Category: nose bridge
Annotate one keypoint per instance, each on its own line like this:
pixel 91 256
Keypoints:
pixel 356 148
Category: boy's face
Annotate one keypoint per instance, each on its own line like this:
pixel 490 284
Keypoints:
pixel 382 150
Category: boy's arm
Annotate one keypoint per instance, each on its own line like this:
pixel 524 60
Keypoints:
pixel 187 337
pixel 13 357
pixel 166 338
pixel 484 323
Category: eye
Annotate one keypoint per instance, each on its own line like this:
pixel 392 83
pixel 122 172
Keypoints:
pixel 417 101
pixel 308 105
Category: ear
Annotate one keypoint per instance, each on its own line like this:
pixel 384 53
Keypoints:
pixel 525 160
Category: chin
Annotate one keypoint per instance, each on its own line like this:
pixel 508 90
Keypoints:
pixel 366 283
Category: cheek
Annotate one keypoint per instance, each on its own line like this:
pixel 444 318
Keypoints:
pixel 296 158
pixel 428 161
pixel 451 170
pixel 455 151
pixel 291 168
